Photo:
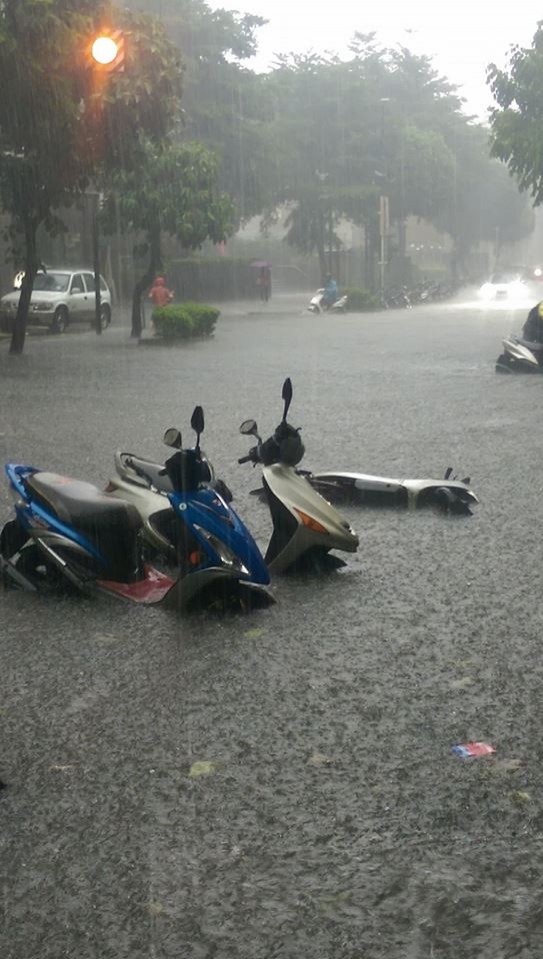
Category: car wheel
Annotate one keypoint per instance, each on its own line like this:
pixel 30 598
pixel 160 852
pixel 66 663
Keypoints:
pixel 60 320
pixel 105 316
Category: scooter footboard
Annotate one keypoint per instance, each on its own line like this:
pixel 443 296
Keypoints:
pixel 214 585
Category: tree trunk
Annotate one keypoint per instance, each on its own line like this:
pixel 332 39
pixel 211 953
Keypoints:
pixel 31 268
pixel 155 264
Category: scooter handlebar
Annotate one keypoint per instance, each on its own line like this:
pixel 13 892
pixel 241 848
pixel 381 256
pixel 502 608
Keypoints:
pixel 245 459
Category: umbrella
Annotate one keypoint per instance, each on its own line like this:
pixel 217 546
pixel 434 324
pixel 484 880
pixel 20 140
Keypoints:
pixel 260 263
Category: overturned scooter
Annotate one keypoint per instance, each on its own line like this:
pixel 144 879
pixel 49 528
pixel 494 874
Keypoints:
pixel 450 495
pixel 305 526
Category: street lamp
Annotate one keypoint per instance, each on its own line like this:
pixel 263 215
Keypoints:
pixel 104 50
pixel 105 54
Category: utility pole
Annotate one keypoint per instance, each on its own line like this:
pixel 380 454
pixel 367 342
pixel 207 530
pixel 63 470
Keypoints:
pixel 383 231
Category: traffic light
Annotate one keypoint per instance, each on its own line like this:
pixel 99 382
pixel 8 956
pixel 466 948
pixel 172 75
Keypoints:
pixel 106 52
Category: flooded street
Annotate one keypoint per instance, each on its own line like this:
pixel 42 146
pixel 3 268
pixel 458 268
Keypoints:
pixel 282 784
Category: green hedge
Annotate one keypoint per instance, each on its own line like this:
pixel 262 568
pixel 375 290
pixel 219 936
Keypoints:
pixel 183 320
pixel 360 300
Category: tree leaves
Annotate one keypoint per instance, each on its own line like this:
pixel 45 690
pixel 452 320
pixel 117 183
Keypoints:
pixel 516 122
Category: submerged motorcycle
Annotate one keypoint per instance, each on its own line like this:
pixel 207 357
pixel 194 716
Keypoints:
pixel 187 520
pixel 449 494
pixel 305 526
pixel 520 356
pixel 317 304
pixel 69 532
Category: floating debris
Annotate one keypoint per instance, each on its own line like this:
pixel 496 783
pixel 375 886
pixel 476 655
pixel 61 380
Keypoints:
pixel 462 683
pixel 473 750
pixel 254 633
pixel 201 768
pixel 319 759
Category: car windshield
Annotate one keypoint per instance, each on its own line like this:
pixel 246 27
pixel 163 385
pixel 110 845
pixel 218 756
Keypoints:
pixel 52 282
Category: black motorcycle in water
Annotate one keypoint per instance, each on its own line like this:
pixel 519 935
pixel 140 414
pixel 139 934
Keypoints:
pixel 520 356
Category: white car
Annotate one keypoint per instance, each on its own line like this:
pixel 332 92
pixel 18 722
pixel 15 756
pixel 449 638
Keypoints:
pixel 60 297
pixel 504 285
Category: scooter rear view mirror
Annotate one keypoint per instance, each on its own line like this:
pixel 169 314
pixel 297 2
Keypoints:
pixel 249 428
pixel 172 437
pixel 286 395
pixel 197 423
pixel 197 420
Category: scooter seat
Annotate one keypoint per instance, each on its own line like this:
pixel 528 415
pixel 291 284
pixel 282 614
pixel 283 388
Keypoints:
pixel 109 523
pixel 152 471
pixel 76 501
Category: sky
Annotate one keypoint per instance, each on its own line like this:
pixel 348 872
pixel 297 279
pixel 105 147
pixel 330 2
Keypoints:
pixel 461 36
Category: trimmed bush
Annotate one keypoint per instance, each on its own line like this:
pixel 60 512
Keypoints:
pixel 183 320
pixel 360 300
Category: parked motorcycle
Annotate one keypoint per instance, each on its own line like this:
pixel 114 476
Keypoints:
pixel 520 356
pixel 187 520
pixel 317 304
pixel 69 532
pixel 305 526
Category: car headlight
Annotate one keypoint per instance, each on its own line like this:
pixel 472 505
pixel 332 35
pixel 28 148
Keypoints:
pixel 41 307
pixel 518 288
pixel 486 291
pixel 226 555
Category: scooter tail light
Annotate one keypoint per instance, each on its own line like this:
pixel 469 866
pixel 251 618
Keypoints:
pixel 311 523
pixel 110 488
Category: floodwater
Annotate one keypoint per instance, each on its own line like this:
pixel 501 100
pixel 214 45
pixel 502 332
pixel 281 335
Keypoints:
pixel 327 816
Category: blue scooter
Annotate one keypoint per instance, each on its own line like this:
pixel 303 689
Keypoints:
pixel 69 531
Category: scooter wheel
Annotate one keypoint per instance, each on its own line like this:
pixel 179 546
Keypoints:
pixel 12 539
pixel 42 574
pixel 503 364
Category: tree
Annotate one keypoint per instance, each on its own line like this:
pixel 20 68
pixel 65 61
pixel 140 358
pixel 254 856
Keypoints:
pixel 382 122
pixel 517 121
pixel 225 105
pixel 60 127
pixel 172 191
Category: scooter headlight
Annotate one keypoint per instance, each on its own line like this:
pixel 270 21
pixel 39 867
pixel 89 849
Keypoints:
pixel 226 555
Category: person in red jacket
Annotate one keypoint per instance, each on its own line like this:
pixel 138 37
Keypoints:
pixel 159 292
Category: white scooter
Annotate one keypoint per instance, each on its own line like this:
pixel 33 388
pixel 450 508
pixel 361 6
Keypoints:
pixel 450 495
pixel 305 526
pixel 317 304
pixel 520 356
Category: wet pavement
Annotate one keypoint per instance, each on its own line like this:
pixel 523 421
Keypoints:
pixel 330 819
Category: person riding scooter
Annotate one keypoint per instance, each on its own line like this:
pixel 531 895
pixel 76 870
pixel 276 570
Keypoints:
pixel 524 354
pixel 532 331
pixel 330 291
